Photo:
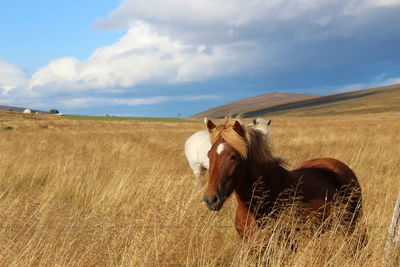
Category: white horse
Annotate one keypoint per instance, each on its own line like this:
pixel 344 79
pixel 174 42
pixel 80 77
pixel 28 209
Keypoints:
pixel 198 145
pixel 261 125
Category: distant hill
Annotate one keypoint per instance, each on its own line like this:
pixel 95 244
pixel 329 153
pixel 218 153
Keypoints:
pixel 375 100
pixel 254 104
pixel 19 109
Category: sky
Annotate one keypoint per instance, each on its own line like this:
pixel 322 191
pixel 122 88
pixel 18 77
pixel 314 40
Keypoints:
pixel 169 58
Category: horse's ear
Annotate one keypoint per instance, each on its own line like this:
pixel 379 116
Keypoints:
pixel 269 122
pixel 210 125
pixel 254 121
pixel 238 128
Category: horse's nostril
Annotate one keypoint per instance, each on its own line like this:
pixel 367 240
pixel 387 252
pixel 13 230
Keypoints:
pixel 211 200
pixel 214 199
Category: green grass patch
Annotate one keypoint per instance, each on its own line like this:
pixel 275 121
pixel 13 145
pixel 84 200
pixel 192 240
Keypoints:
pixel 111 118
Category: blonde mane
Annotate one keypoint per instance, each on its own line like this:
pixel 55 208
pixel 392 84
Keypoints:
pixel 254 145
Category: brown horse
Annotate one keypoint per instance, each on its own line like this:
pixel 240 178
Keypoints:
pixel 241 162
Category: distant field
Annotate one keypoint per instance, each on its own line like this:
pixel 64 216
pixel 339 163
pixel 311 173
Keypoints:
pixel 6 115
pixel 112 118
pixel 120 193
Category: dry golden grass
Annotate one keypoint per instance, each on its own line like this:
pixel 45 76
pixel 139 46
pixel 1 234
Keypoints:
pixel 85 193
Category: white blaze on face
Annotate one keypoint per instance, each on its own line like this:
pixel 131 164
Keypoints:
pixel 220 148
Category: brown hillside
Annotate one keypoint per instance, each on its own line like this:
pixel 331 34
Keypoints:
pixel 375 100
pixel 253 104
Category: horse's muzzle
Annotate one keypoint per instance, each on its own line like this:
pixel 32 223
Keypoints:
pixel 214 202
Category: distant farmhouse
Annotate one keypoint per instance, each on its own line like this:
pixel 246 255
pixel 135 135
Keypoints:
pixel 22 109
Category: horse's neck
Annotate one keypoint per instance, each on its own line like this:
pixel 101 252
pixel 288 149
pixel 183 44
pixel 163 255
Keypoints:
pixel 262 185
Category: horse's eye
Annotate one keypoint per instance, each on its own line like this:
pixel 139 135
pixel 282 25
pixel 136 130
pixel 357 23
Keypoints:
pixel 233 157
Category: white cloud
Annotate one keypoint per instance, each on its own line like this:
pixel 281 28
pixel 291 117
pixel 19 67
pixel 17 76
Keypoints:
pixel 11 77
pixel 383 3
pixel 394 80
pixel 143 55
pixel 84 102
pixel 219 19
pixel 178 41
pixel 58 73
pixel 139 101
pixel 358 86
pixel 352 87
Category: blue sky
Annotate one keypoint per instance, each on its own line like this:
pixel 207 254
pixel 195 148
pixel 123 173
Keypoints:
pixel 170 57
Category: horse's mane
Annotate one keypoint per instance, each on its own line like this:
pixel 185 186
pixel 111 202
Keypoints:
pixel 254 145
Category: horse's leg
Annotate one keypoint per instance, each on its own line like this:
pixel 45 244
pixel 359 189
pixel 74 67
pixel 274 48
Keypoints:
pixel 246 225
pixel 197 172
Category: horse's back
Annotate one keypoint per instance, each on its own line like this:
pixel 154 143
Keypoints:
pixel 315 183
pixel 196 148
pixel 199 141
pixel 344 174
pixel 336 175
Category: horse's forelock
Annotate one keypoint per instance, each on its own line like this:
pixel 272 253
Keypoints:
pixel 230 136
pixel 254 145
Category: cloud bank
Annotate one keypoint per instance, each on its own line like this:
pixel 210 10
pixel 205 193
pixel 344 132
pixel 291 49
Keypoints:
pixel 178 41
pixel 143 55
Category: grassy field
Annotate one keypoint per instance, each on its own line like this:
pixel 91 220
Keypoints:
pixel 86 193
